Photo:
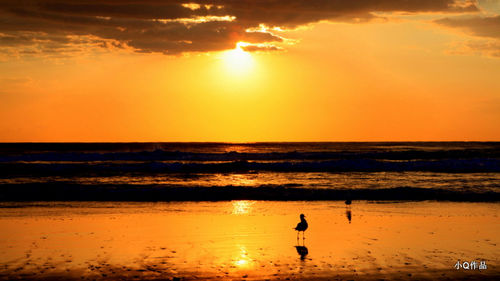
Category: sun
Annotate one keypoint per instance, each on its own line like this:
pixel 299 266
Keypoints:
pixel 238 61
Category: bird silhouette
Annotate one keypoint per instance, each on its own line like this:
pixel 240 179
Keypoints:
pixel 348 202
pixel 301 226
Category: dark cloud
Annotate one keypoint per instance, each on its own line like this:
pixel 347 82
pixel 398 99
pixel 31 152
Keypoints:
pixel 260 48
pixel 173 27
pixel 292 13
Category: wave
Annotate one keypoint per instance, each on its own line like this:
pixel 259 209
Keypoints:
pixel 75 192
pixel 162 155
pixel 472 165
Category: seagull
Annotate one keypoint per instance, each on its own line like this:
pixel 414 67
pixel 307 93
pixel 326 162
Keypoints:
pixel 301 226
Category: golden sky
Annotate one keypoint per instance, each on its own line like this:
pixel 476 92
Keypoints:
pixel 249 70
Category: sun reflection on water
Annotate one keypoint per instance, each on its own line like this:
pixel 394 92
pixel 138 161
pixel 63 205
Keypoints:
pixel 242 207
pixel 238 179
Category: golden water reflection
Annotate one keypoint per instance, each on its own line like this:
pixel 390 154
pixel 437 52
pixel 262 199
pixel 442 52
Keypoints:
pixel 242 207
pixel 238 179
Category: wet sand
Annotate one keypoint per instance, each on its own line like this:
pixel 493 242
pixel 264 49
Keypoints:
pixel 248 240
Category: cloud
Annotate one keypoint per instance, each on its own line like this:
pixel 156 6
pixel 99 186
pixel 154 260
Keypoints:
pixel 478 26
pixel 55 46
pixel 488 28
pixel 260 48
pixel 488 48
pixel 174 26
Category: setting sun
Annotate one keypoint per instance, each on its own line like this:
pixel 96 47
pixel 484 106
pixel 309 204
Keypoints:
pixel 238 61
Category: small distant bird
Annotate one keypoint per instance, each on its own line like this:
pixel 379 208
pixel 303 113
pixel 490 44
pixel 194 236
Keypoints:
pixel 301 226
pixel 348 202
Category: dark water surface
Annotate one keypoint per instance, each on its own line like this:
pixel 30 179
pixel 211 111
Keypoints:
pixel 455 171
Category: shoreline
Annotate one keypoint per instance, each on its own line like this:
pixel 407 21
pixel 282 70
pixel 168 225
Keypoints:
pixel 64 191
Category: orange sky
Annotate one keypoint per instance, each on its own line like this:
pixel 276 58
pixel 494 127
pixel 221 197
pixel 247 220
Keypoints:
pixel 392 72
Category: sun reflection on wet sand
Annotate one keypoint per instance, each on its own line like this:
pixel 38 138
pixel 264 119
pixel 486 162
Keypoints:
pixel 242 260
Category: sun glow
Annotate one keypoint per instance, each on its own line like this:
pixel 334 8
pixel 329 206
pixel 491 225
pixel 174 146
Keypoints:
pixel 242 260
pixel 238 61
pixel 242 207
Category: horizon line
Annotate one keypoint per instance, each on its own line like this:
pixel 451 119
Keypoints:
pixel 252 142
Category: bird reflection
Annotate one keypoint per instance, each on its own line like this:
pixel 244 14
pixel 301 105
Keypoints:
pixel 348 214
pixel 302 250
pixel 348 208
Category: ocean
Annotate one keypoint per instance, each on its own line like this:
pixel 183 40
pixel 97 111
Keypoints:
pixel 447 171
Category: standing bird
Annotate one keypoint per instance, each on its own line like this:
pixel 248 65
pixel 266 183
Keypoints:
pixel 301 226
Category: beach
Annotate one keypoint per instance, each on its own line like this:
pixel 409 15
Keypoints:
pixel 248 240
pixel 249 140
pixel 224 211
